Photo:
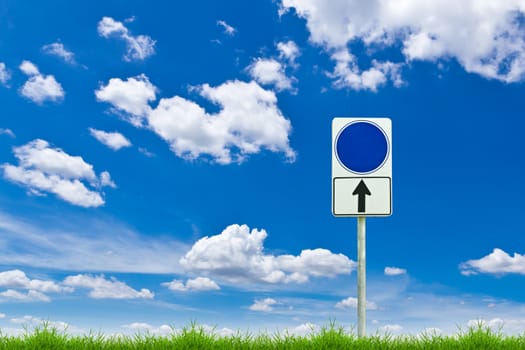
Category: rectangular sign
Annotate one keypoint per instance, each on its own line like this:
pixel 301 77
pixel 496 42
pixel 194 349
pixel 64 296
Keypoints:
pixel 347 201
pixel 361 167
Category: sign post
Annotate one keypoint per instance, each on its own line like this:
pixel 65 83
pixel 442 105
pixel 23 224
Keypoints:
pixel 361 276
pixel 361 184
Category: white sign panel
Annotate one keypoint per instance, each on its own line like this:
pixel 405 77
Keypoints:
pixel 361 166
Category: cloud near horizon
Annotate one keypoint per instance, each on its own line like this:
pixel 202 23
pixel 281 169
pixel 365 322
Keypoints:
pixel 237 256
pixel 496 263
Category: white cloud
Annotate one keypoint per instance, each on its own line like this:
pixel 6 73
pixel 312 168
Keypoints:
pixel 7 132
pixel 5 75
pixel 36 321
pixel 305 329
pixel 39 155
pixel 228 29
pixel 197 284
pixel 162 330
pixel 486 38
pixel 423 47
pixel 431 331
pixel 40 88
pixel 30 295
pixel 497 324
pixel 105 180
pixel 394 271
pixel 145 152
pixel 347 73
pixel 270 72
pixel 73 243
pixel 264 305
pixel 131 96
pixel 138 47
pixel 390 328
pixel 29 68
pixel 27 324
pixel 249 119
pixel 2 315
pixel 101 288
pixel 113 140
pixel 288 51
pixel 213 330
pixel 498 262
pixel 351 302
pixel 44 168
pixel 58 49
pixel 18 279
pixel 236 255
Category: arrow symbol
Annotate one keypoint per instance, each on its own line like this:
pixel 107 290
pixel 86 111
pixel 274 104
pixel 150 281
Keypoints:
pixel 361 191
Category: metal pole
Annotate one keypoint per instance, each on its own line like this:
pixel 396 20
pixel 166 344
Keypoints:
pixel 361 276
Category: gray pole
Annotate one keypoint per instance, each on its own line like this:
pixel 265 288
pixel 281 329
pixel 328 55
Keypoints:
pixel 361 276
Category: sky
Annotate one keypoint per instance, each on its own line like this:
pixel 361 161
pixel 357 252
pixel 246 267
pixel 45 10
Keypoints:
pixel 168 163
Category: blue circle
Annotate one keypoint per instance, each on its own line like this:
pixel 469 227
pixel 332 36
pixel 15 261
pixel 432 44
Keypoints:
pixel 361 147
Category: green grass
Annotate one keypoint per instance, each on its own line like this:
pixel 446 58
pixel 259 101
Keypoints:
pixel 195 337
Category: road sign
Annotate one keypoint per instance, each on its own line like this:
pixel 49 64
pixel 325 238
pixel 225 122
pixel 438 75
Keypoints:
pixel 361 167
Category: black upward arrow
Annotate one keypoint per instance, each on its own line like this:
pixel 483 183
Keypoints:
pixel 361 190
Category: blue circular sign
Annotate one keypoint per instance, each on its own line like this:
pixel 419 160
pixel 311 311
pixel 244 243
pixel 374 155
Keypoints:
pixel 362 147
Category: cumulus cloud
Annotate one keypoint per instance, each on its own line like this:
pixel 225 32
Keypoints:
pixel 394 271
pixel 228 29
pixel 351 302
pixel 58 49
pixel 131 96
pixel 484 37
pixel 237 255
pixel 113 140
pixel 348 74
pixel 139 47
pixel 264 305
pixel 270 72
pixel 16 280
pixel 43 168
pixel 198 284
pixel 102 288
pixel 288 51
pixel 29 68
pixel 5 75
pixel 497 263
pixel 40 88
pixel 249 119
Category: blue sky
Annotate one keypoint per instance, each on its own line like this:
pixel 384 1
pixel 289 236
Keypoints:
pixel 168 163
